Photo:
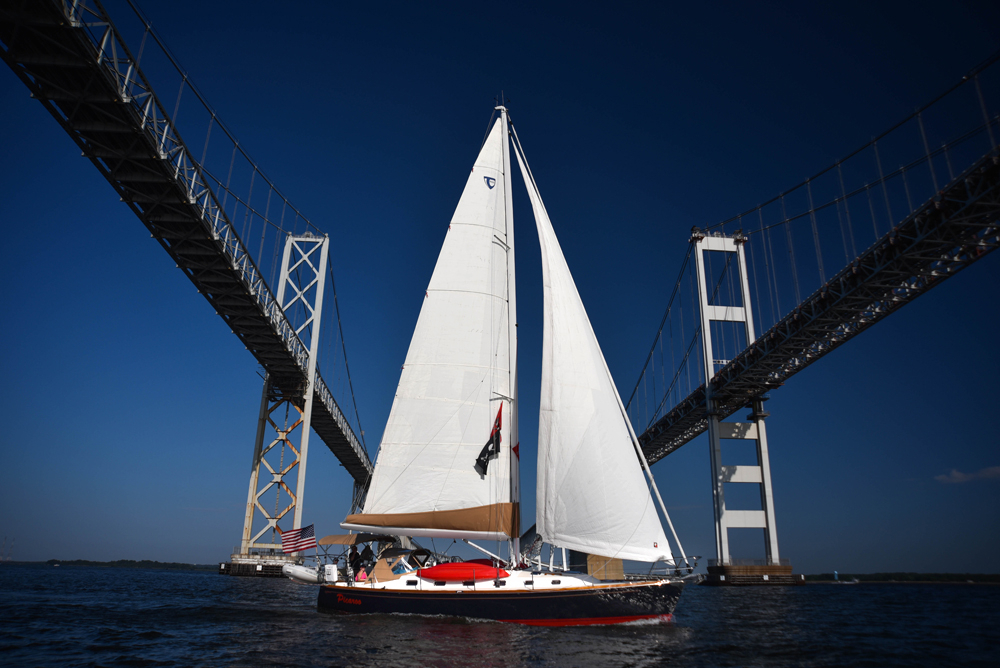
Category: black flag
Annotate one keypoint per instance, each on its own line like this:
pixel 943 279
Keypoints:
pixel 492 446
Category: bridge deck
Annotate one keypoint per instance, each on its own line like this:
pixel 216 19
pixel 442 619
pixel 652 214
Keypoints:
pixel 106 106
pixel 939 239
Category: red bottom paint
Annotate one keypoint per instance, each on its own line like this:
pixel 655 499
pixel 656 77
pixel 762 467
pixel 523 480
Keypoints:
pixel 589 621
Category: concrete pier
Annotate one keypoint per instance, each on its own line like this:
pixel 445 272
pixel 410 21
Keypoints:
pixel 746 572
pixel 257 563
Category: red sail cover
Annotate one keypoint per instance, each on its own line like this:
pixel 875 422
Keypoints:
pixel 461 572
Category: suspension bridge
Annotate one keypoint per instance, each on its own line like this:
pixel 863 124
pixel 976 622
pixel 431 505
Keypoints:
pixel 753 302
pixel 896 232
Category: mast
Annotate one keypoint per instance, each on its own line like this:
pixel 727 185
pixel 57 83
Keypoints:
pixel 514 444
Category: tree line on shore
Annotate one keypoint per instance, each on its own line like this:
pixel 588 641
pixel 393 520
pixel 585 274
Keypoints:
pixel 131 563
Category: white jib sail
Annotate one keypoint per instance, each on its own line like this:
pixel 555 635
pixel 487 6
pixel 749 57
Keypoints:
pixel 591 495
pixel 455 383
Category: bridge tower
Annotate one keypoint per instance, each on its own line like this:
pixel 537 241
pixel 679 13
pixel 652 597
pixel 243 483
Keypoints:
pixel 725 570
pixel 281 447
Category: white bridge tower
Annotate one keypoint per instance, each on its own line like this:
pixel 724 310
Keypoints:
pixel 725 569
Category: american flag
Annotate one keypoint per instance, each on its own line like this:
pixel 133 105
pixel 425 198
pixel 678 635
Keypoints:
pixel 297 540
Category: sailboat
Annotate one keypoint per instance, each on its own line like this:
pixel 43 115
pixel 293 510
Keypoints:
pixel 448 461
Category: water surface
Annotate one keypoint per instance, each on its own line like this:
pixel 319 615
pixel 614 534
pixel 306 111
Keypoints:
pixel 78 616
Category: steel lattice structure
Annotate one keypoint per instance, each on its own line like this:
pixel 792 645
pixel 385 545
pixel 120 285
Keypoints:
pixel 75 63
pixel 940 238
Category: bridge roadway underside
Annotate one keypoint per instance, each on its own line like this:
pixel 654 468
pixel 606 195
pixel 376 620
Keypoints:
pixel 60 64
pixel 939 239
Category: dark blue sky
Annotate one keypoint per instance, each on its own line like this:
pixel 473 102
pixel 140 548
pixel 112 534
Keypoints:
pixel 130 408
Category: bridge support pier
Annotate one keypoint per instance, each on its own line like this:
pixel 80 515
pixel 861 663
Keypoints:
pixel 285 415
pixel 724 569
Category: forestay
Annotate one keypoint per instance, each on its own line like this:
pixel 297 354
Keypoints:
pixel 456 383
pixel 591 494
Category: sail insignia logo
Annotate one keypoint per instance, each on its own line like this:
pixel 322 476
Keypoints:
pixel 490 181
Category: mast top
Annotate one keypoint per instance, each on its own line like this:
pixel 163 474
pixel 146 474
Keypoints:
pixel 500 103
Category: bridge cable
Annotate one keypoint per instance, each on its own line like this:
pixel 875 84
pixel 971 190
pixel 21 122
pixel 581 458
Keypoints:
pixel 885 190
pixel 732 298
pixel 263 228
pixel 812 216
pixel 201 98
pixel 843 234
pixel 694 319
pixel 756 287
pixel 973 74
pixel 791 252
pixel 871 209
pixel 683 334
pixel 982 106
pixel 927 148
pixel 847 211
pixel 906 187
pixel 347 368
pixel 868 186
pixel 947 160
pixel 663 320
pixel 768 266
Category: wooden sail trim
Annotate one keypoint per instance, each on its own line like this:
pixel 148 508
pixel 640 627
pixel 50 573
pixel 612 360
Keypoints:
pixel 495 518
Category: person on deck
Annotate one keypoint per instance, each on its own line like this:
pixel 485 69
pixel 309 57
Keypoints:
pixel 354 561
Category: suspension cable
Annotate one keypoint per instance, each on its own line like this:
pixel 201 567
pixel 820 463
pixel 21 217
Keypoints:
pixel 663 320
pixel 343 346
pixel 201 98
pixel 971 75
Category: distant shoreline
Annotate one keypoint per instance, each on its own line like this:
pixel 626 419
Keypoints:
pixel 121 563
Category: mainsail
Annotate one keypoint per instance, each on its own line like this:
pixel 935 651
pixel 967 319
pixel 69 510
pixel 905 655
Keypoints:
pixel 444 466
pixel 591 493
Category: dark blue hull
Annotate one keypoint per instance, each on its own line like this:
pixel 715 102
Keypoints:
pixel 611 603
